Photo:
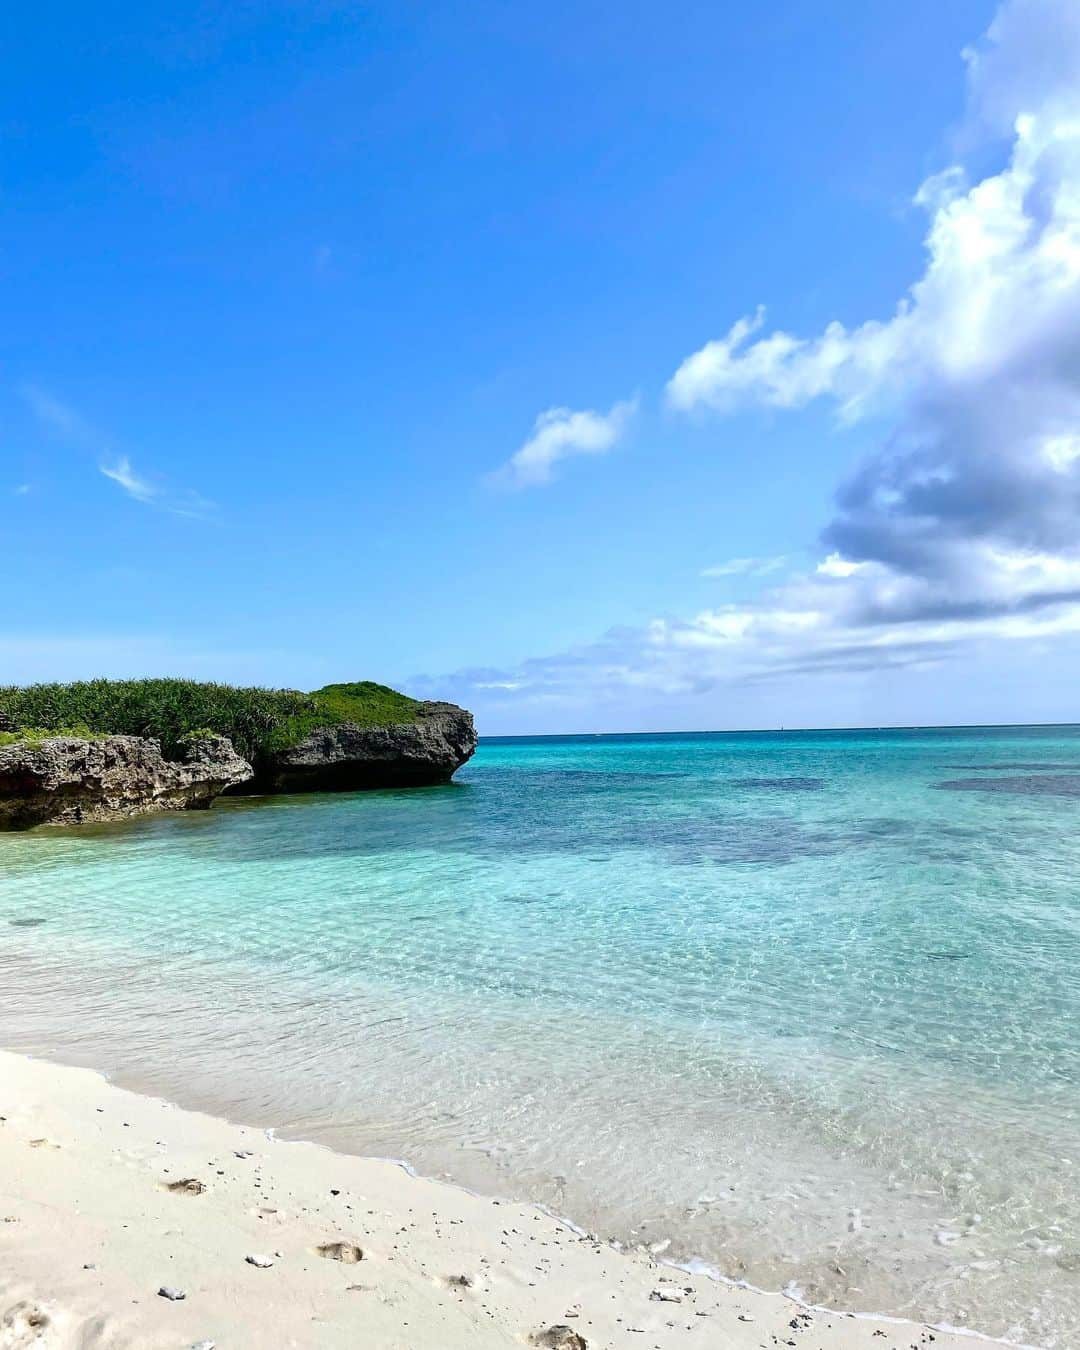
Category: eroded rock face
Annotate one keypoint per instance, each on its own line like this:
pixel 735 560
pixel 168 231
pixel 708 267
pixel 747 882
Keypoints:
pixel 65 780
pixel 342 758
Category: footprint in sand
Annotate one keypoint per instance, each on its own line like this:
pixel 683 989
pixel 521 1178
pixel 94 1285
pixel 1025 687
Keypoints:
pixel 189 1186
pixel 458 1281
pixel 345 1252
pixel 559 1338
pixel 21 1326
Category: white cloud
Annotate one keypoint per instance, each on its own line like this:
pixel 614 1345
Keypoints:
pixel 64 421
pixel 836 566
pixel 780 369
pixel 186 503
pixel 120 471
pixel 831 624
pixel 964 527
pixel 745 567
pixel 1028 59
pixel 560 433
pixel 1061 452
pixel 1004 262
pixel 977 372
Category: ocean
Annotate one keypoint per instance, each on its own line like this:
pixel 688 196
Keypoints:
pixel 801 1006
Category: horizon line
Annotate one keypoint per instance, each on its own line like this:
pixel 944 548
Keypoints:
pixel 773 731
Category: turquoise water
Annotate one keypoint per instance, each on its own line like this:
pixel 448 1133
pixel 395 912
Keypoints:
pixel 781 1002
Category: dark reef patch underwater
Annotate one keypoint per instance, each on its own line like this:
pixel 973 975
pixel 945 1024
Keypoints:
pixel 1043 785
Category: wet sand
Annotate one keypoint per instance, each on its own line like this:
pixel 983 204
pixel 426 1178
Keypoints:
pixel 128 1222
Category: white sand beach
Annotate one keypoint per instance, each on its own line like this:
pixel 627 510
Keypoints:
pixel 128 1222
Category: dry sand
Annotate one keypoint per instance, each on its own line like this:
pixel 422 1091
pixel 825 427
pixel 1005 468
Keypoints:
pixel 108 1197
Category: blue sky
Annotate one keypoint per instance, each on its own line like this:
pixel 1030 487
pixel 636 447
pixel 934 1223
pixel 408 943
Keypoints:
pixel 396 342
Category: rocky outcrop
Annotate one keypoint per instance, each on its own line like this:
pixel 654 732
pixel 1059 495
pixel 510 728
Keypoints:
pixel 64 780
pixel 421 752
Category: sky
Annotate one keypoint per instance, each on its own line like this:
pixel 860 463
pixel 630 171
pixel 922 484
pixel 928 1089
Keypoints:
pixel 602 367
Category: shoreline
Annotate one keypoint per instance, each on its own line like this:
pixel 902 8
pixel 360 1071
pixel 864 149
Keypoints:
pixel 90 1233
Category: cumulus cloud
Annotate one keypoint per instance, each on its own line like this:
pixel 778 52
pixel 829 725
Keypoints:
pixel 559 433
pixel 780 369
pixel 836 566
pixel 976 375
pixel 964 525
pixel 1029 58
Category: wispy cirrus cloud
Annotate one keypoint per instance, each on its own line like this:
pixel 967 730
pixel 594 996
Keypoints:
pixel 121 472
pixel 746 567
pixel 560 433
pixel 184 502
pixel 65 422
pixel 54 413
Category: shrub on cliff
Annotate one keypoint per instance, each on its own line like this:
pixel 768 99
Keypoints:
pixel 257 721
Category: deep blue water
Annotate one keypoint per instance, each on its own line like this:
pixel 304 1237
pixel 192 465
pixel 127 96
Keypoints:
pixel 804 1005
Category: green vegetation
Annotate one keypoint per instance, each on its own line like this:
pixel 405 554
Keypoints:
pixel 257 721
pixel 34 735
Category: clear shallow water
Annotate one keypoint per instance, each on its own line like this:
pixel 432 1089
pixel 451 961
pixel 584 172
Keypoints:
pixel 783 1000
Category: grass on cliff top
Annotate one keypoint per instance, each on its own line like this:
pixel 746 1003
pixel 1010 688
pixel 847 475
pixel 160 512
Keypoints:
pixel 257 721
pixel 35 735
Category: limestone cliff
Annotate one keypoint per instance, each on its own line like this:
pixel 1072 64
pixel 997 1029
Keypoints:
pixel 425 750
pixel 65 780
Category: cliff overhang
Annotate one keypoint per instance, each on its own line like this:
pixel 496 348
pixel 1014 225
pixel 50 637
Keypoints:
pixel 422 752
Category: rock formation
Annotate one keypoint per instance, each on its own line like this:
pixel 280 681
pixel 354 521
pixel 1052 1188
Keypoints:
pixel 423 751
pixel 65 780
